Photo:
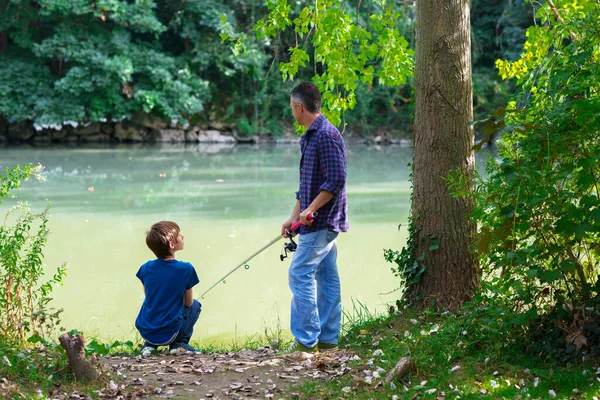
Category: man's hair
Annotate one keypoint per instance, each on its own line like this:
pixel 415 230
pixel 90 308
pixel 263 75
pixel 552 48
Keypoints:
pixel 308 95
pixel 160 235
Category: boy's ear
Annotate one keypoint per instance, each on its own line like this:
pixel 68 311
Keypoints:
pixel 171 244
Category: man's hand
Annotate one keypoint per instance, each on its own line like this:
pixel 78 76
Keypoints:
pixel 304 216
pixel 287 225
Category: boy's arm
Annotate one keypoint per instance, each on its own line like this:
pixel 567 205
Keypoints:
pixel 188 298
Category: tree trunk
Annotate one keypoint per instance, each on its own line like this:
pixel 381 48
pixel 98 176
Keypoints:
pixel 443 143
pixel 74 346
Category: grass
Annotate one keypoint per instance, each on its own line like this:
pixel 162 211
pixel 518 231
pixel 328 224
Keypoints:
pixel 450 361
pixel 454 356
pixel 32 373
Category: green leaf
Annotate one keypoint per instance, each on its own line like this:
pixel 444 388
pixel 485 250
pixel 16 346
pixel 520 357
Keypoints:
pixel 532 272
pixel 550 276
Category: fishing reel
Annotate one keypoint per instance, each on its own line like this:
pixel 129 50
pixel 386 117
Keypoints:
pixel 288 247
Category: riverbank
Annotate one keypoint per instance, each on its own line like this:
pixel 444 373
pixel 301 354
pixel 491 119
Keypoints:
pixel 445 356
pixel 145 128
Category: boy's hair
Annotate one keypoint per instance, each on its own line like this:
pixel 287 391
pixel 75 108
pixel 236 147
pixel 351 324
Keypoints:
pixel 308 95
pixel 159 237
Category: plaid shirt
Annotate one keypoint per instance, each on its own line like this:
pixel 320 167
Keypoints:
pixel 323 167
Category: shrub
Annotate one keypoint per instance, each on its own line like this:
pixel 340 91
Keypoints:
pixel 23 297
pixel 539 207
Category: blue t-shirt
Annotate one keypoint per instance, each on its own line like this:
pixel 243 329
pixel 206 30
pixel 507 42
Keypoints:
pixel 165 282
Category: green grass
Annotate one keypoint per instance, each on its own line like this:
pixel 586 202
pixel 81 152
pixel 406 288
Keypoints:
pixel 449 361
pixel 454 356
pixel 28 372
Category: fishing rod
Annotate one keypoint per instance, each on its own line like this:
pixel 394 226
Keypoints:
pixel 287 247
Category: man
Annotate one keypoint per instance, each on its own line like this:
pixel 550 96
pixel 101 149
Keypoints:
pixel 315 321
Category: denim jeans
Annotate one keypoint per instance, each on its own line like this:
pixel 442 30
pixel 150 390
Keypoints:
pixel 190 317
pixel 315 315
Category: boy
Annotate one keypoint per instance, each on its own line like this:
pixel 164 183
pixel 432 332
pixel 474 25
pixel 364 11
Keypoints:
pixel 169 311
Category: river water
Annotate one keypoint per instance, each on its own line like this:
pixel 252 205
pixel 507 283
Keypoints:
pixel 229 202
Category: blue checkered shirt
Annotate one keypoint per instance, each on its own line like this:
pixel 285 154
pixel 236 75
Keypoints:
pixel 323 167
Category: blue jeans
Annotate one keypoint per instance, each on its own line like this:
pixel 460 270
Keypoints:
pixel 190 317
pixel 315 316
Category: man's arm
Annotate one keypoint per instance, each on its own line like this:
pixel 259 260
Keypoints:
pixel 323 198
pixel 188 298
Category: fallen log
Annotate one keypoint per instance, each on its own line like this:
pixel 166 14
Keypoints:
pixel 403 367
pixel 74 345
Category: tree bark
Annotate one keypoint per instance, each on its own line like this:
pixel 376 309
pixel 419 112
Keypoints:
pixel 74 346
pixel 443 143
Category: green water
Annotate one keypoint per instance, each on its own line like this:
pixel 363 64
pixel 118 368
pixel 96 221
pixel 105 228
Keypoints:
pixel 229 202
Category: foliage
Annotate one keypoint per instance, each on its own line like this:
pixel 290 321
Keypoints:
pixel 348 46
pixel 408 267
pixel 539 207
pixel 78 62
pixel 25 370
pixel 23 297
pixel 454 356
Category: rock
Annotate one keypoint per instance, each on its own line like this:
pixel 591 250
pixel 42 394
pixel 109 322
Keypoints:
pixel 107 129
pixel 191 136
pixel 59 134
pixel 93 128
pixel 214 136
pixel 128 133
pixel 41 138
pixel 149 121
pixel 21 131
pixel 246 139
pixel 171 135
pixel 216 125
pixel 95 138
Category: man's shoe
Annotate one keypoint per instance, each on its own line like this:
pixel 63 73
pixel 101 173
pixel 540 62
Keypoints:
pixel 299 347
pixel 328 346
pixel 148 350
pixel 182 348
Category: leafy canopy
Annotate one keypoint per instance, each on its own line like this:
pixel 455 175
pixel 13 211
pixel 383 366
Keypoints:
pixel 80 61
pixel 347 48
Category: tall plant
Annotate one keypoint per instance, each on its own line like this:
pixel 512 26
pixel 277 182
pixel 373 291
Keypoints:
pixel 539 208
pixel 23 297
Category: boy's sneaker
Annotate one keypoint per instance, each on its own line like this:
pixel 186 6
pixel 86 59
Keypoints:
pixel 182 348
pixel 328 346
pixel 148 350
pixel 297 347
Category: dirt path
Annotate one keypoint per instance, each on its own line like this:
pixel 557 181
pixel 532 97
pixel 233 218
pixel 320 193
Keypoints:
pixel 246 374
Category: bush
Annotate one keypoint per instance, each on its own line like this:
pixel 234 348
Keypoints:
pixel 23 297
pixel 539 207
